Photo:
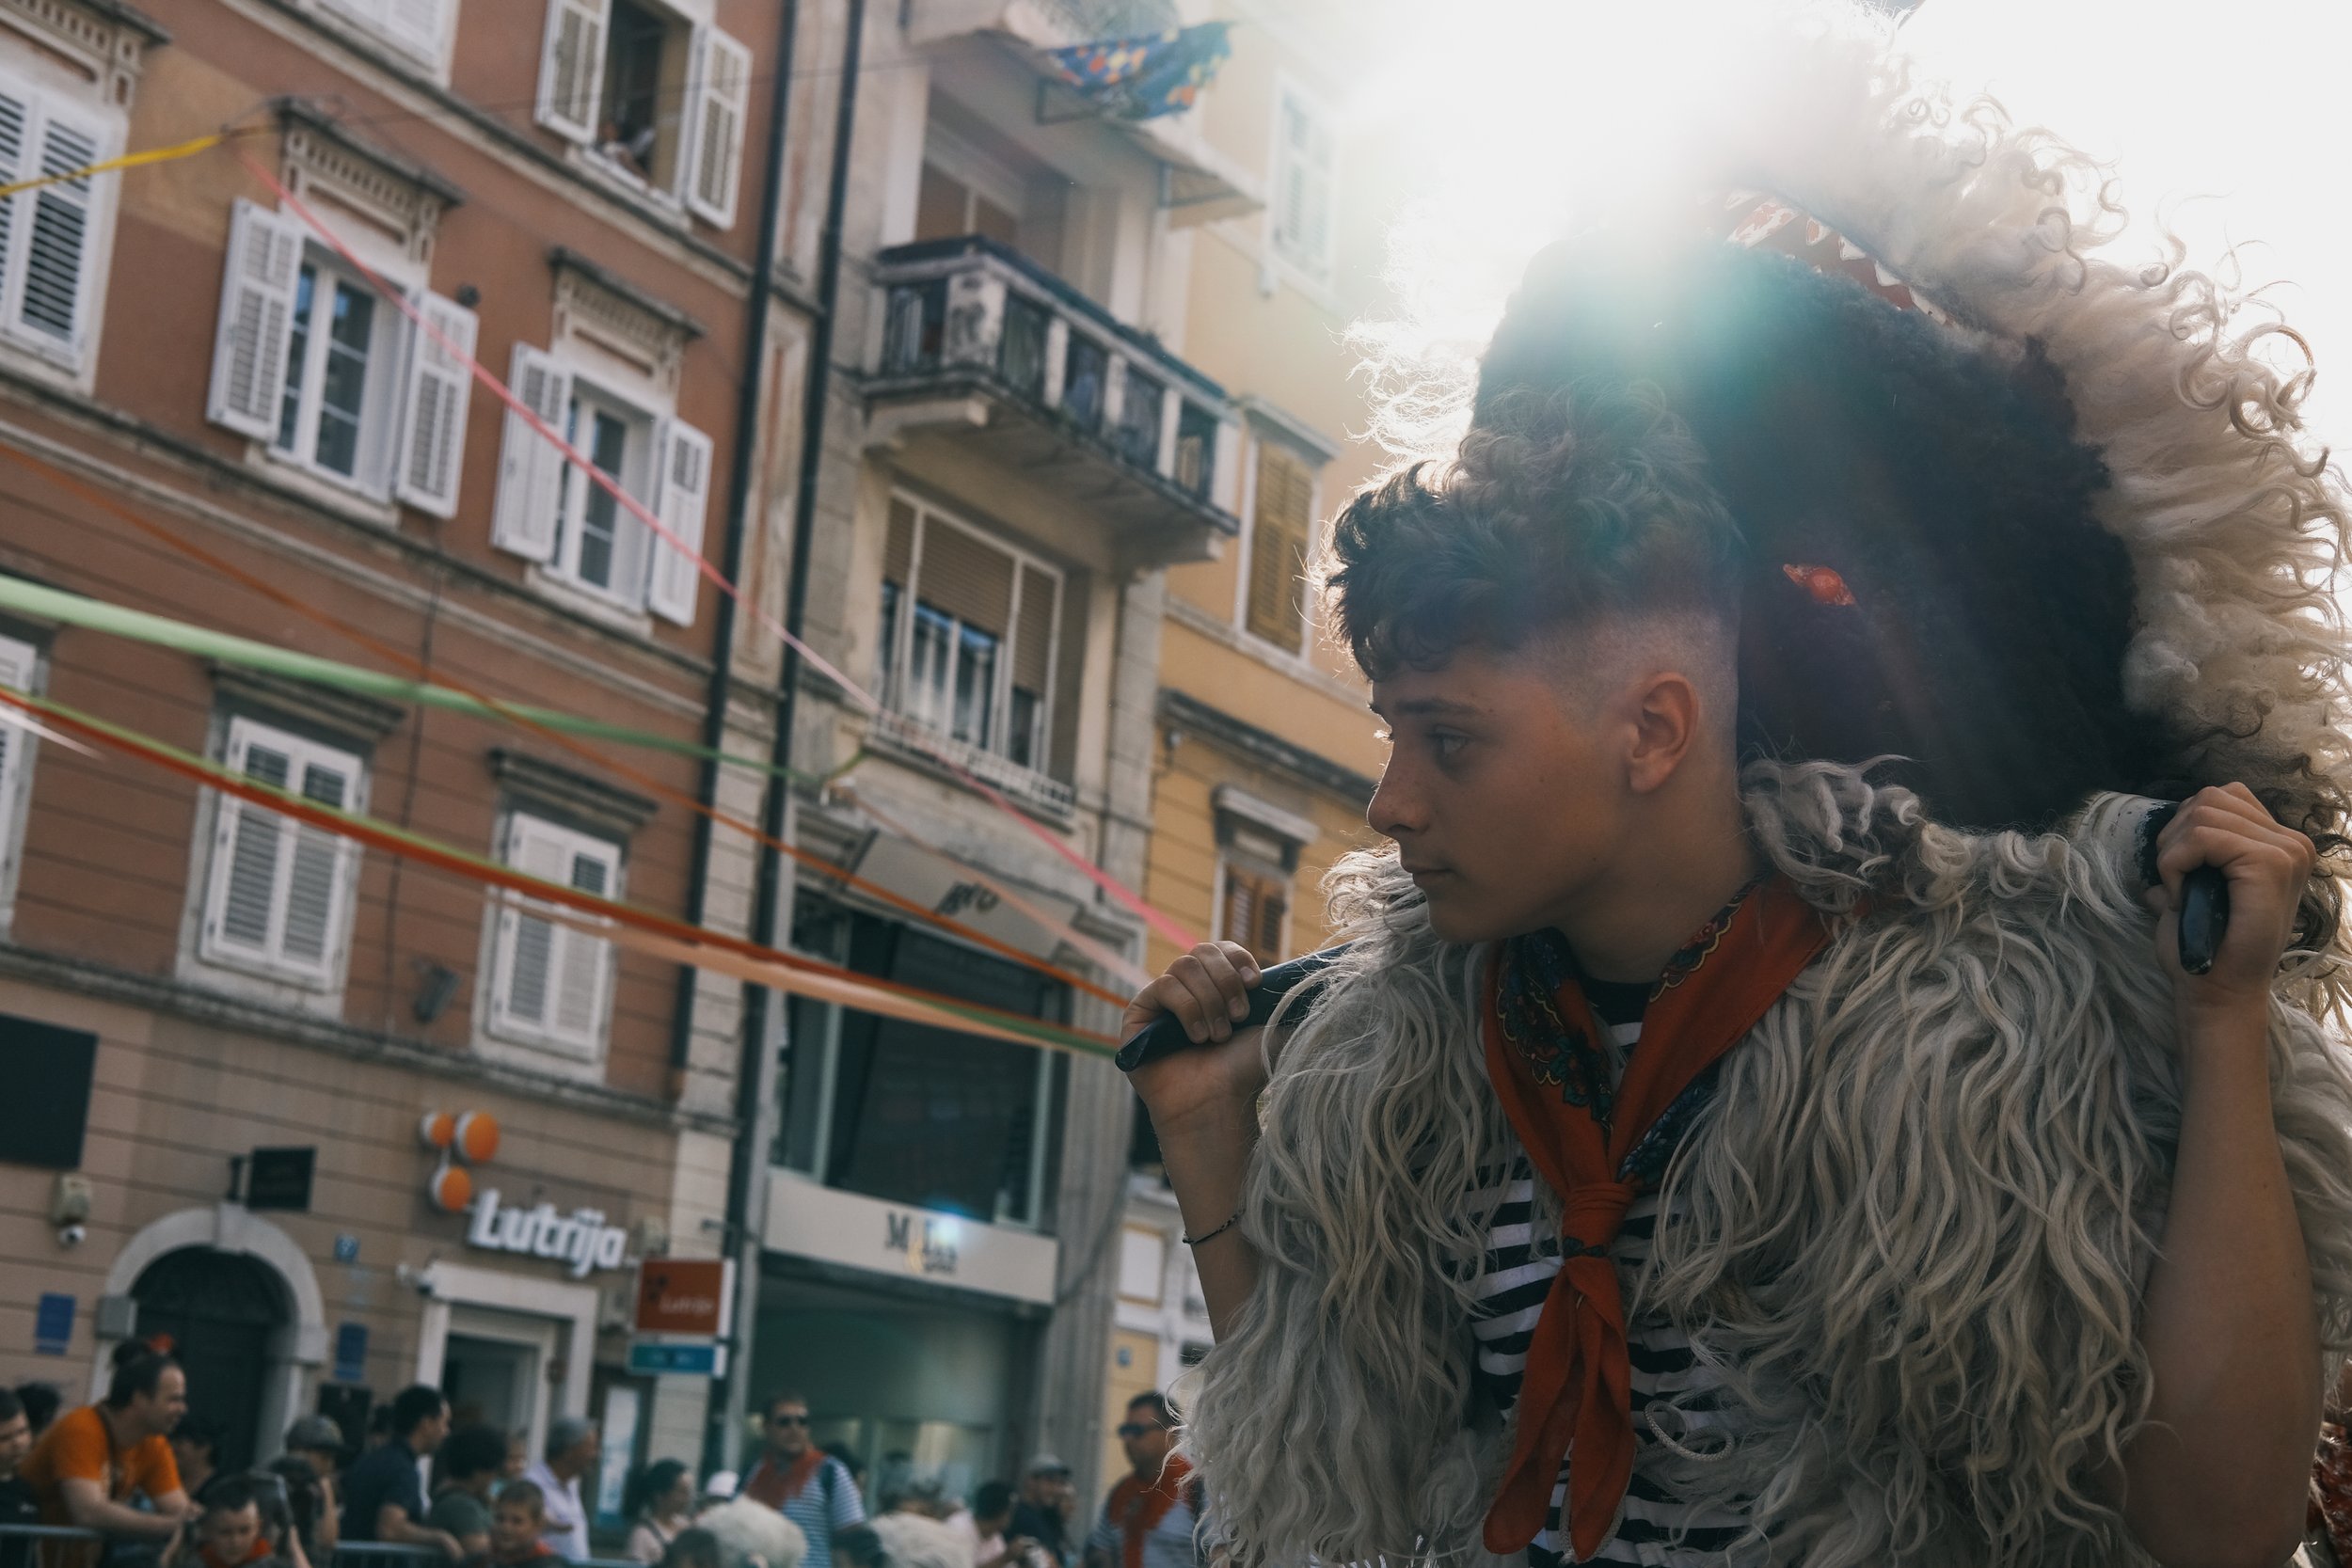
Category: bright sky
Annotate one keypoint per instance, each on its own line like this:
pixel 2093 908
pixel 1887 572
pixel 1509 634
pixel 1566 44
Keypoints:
pixel 1503 116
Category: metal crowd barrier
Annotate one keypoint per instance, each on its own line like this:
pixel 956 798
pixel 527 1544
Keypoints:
pixel 357 1554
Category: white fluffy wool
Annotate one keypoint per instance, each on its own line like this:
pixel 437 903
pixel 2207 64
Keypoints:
pixel 914 1540
pixel 749 1529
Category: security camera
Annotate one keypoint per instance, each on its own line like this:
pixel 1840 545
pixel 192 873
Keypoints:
pixel 73 1235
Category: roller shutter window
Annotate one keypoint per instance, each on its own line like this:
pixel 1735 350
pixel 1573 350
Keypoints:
pixel 1282 517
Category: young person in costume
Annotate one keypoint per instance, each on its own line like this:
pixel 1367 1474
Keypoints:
pixel 1720 1143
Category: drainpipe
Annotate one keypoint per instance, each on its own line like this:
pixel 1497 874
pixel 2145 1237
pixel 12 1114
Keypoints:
pixel 740 474
pixel 752 1079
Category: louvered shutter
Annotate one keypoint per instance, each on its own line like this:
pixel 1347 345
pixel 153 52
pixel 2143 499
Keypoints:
pixel 256 310
pixel 1255 905
pixel 530 466
pixel 549 981
pixel 16 126
pixel 279 888
pixel 571 67
pixel 17 663
pixel 682 457
pixel 436 393
pixel 715 104
pixel 57 251
pixel 418 24
pixel 1277 549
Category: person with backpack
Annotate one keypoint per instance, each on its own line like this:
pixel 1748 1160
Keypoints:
pixel 803 1482
pixel 1150 1518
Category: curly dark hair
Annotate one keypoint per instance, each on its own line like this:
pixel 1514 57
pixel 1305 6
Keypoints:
pixel 1708 425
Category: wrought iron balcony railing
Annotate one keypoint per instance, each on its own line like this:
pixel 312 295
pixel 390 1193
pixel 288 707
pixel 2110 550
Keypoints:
pixel 968 314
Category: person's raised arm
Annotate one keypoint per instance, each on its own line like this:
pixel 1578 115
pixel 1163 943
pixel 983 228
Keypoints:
pixel 1203 1105
pixel 2216 1478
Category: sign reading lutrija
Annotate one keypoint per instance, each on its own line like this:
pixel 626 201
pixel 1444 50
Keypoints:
pixel 684 1295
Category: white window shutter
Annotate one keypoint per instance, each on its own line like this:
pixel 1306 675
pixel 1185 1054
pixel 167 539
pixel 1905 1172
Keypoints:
pixel 420 25
pixel 435 396
pixel 53 304
pixel 583 963
pixel 257 298
pixel 17 663
pixel 280 890
pixel 16 128
pixel 530 466
pixel 526 942
pixel 319 874
pixel 681 497
pixel 717 96
pixel 571 67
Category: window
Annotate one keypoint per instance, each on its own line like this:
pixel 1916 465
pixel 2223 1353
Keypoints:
pixel 655 99
pixel 1255 909
pixel 278 900
pixel 1299 218
pixel 552 512
pixel 418 27
pixel 550 984
pixel 947 207
pixel 20 667
pixel 310 359
pixel 1282 517
pixel 48 237
pixel 913 1114
pixel 968 634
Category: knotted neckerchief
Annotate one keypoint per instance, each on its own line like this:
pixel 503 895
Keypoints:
pixel 1136 1506
pixel 1549 1060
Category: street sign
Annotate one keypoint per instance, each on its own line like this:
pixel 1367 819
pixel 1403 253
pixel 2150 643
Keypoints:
pixel 280 1178
pixel 684 1358
pixel 685 1295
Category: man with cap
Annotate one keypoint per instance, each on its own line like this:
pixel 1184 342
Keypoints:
pixel 1047 1500
pixel 318 1442
pixel 571 1453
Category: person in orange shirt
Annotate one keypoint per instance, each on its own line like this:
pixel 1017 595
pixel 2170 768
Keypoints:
pixel 89 1464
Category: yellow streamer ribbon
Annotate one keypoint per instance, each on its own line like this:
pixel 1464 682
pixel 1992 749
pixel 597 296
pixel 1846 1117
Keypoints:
pixel 129 160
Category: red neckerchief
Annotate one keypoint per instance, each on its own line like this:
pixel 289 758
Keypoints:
pixel 788 1484
pixel 211 1559
pixel 1138 1507
pixel 1547 1058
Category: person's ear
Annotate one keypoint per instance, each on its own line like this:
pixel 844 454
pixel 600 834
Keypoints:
pixel 1665 721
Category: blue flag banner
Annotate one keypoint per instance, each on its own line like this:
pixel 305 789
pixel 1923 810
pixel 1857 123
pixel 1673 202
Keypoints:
pixel 1141 78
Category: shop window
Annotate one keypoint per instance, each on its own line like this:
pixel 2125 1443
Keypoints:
pixel 654 99
pixel 968 634
pixel 310 360
pixel 913 1114
pixel 50 260
pixel 1305 155
pixel 551 984
pixel 279 897
pixel 418 28
pixel 1281 520
pixel 549 512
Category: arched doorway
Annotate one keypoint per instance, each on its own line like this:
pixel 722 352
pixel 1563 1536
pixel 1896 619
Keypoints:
pixel 226 1312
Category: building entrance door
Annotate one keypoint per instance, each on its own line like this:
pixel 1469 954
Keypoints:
pixel 225 1313
pixel 495 1369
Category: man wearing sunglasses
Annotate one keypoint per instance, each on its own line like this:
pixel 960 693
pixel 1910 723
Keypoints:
pixel 803 1482
pixel 1149 1520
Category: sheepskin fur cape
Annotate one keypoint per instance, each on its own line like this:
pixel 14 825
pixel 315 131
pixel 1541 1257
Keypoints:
pixel 1921 1210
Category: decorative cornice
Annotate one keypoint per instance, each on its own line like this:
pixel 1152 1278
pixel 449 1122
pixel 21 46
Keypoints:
pixel 1264 747
pixel 106 38
pixel 597 303
pixel 347 715
pixel 398 194
pixel 594 805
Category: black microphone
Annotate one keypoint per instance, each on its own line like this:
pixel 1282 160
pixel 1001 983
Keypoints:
pixel 1164 1036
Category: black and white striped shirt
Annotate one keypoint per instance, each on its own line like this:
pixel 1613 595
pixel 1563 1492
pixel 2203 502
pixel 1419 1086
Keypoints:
pixel 1672 1397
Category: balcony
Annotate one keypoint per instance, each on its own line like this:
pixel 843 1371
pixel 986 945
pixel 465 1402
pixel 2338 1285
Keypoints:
pixel 985 344
pixel 910 737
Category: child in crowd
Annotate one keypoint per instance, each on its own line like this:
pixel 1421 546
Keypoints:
pixel 228 1532
pixel 521 1513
